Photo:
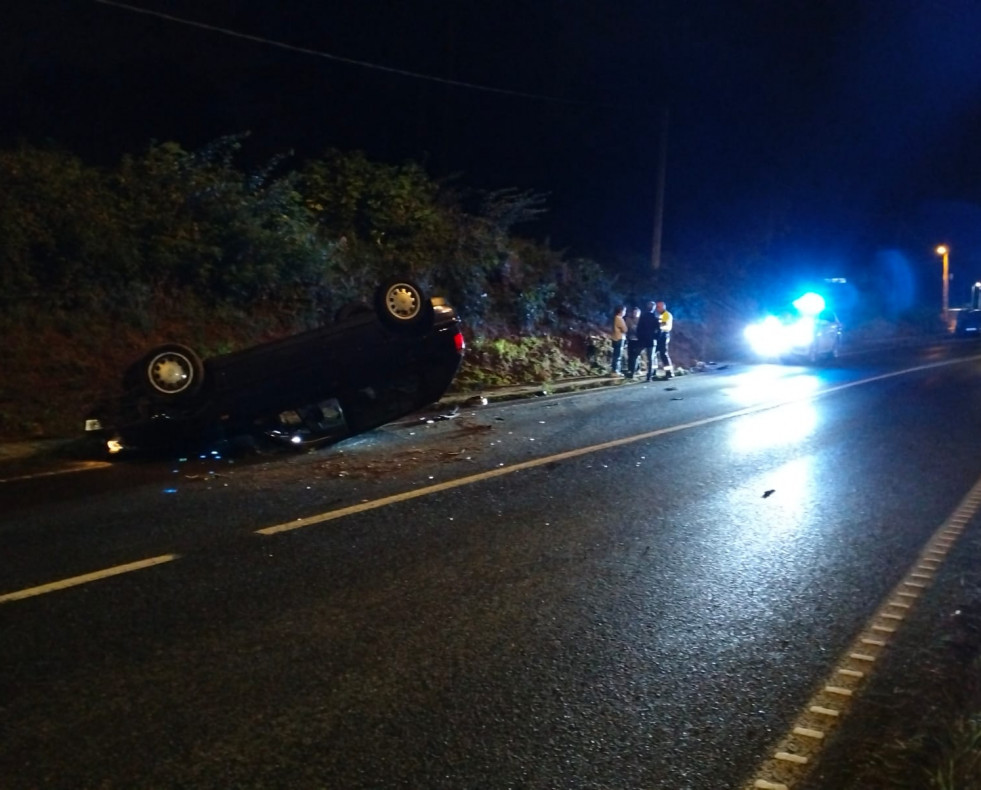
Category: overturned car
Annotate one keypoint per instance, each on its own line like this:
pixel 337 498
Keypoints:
pixel 375 363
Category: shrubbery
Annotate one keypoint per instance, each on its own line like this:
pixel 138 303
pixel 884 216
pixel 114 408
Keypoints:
pixel 97 264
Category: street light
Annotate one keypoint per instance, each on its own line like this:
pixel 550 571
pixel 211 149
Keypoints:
pixel 942 250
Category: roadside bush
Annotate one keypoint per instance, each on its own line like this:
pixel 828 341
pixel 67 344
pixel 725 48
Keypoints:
pixel 99 264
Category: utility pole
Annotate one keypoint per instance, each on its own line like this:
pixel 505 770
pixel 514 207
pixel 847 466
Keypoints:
pixel 659 199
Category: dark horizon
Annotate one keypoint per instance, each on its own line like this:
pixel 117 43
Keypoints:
pixel 806 131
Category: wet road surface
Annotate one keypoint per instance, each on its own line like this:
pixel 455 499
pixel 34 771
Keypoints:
pixel 635 587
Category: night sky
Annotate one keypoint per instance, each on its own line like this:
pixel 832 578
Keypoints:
pixel 833 129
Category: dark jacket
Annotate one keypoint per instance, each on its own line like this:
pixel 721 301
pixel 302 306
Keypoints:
pixel 648 328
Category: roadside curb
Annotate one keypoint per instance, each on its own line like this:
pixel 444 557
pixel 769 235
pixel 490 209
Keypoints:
pixel 517 392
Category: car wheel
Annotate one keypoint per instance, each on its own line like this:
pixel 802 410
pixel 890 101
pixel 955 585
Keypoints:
pixel 401 304
pixel 172 371
pixel 350 310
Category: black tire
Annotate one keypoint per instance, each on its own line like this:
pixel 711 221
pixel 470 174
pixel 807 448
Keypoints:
pixel 172 372
pixel 352 309
pixel 402 305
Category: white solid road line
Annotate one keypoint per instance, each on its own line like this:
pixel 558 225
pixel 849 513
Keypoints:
pixel 87 577
pixel 374 504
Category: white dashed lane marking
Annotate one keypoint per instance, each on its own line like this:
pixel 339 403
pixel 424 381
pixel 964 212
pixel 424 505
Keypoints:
pixel 74 581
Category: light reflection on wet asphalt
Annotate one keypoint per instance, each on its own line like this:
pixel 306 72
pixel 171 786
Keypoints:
pixel 644 615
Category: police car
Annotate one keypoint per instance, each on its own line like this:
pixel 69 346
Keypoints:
pixel 809 332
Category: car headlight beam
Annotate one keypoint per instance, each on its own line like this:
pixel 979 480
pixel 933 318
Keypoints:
pixel 768 338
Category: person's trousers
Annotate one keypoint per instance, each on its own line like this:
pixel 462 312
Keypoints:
pixel 616 355
pixel 642 350
pixel 662 350
pixel 633 351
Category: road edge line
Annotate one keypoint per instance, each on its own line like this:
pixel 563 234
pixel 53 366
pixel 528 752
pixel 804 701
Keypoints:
pixel 794 754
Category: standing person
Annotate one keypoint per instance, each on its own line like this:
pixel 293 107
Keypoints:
pixel 633 345
pixel 666 321
pixel 647 329
pixel 618 333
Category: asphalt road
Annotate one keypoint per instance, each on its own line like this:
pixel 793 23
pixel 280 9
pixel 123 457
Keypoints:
pixel 634 587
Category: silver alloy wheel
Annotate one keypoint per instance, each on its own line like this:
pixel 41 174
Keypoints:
pixel 402 301
pixel 170 372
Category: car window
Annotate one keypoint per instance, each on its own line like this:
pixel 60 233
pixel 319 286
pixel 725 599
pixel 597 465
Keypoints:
pixel 827 315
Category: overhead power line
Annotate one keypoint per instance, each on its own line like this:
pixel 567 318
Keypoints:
pixel 340 59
